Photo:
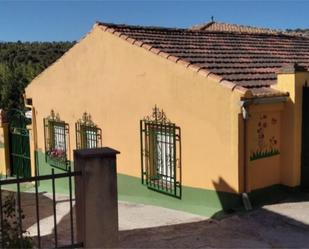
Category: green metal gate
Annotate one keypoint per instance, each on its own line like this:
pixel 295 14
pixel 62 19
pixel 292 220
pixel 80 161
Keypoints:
pixel 19 143
pixel 305 141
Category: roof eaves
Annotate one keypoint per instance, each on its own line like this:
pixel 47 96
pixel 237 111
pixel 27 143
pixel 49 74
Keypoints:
pixel 244 91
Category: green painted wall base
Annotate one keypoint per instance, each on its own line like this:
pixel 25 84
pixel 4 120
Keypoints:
pixel 204 202
pixel 62 184
pixel 274 194
pixel 197 201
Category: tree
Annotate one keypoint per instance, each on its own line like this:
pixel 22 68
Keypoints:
pixel 20 63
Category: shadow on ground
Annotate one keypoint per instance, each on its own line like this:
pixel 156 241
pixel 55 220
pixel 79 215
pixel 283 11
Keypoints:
pixel 283 221
pixel 284 224
pixel 259 228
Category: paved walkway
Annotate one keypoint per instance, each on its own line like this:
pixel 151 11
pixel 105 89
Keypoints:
pixel 261 228
pixel 143 226
pixel 136 216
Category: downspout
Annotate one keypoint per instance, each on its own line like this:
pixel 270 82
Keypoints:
pixel 244 195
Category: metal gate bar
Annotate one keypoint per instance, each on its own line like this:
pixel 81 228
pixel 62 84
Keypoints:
pixel 36 180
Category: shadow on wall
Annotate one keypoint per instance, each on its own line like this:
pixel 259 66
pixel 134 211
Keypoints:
pixel 230 200
pixel 277 194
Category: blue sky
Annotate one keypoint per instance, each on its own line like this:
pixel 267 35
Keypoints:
pixel 55 20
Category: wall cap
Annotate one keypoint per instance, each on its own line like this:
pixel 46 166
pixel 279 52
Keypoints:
pixel 292 69
pixel 104 152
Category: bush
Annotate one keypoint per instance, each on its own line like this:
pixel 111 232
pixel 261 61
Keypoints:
pixel 10 235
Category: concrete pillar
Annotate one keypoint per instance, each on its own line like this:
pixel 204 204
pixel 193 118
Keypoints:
pixel 96 197
pixel 291 79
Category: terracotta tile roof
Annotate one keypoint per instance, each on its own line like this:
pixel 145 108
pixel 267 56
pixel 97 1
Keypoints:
pixel 267 92
pixel 246 60
pixel 228 27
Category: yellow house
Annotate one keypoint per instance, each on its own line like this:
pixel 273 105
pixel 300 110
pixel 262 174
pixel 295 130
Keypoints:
pixel 200 116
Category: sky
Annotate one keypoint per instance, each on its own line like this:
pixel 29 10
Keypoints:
pixel 67 20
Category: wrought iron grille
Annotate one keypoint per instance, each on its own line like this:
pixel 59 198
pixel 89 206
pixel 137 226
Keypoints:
pixel 56 133
pixel 88 135
pixel 161 154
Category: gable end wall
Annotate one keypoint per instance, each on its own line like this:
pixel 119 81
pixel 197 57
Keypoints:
pixel 119 84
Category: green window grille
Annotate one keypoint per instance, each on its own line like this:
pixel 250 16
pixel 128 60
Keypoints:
pixel 88 135
pixel 161 154
pixel 56 133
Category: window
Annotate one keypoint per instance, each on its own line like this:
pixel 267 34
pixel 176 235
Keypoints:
pixel 88 135
pixel 56 134
pixel 160 154
pixel 164 148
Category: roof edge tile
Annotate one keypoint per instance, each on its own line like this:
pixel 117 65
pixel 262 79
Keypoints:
pixel 146 46
pixel 214 76
pixel 183 62
pixel 163 54
pixel 155 50
pixel 193 67
pixel 247 93
pixel 173 58
pixel 110 30
pixel 131 40
pixel 124 37
pixel 204 72
pixel 138 43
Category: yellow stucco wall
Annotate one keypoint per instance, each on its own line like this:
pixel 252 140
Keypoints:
pixel 4 149
pixel 119 84
pixel 291 126
pixel 264 145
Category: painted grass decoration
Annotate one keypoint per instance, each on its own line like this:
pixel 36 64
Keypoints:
pixel 262 154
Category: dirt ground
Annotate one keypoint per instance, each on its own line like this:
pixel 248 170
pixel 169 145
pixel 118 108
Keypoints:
pixel 284 225
pixel 260 228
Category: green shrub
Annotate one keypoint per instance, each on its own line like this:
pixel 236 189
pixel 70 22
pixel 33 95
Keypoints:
pixel 10 234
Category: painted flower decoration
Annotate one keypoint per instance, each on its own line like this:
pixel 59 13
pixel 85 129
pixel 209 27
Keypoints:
pixel 273 141
pixel 273 121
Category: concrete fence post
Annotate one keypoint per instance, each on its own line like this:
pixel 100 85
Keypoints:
pixel 96 197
